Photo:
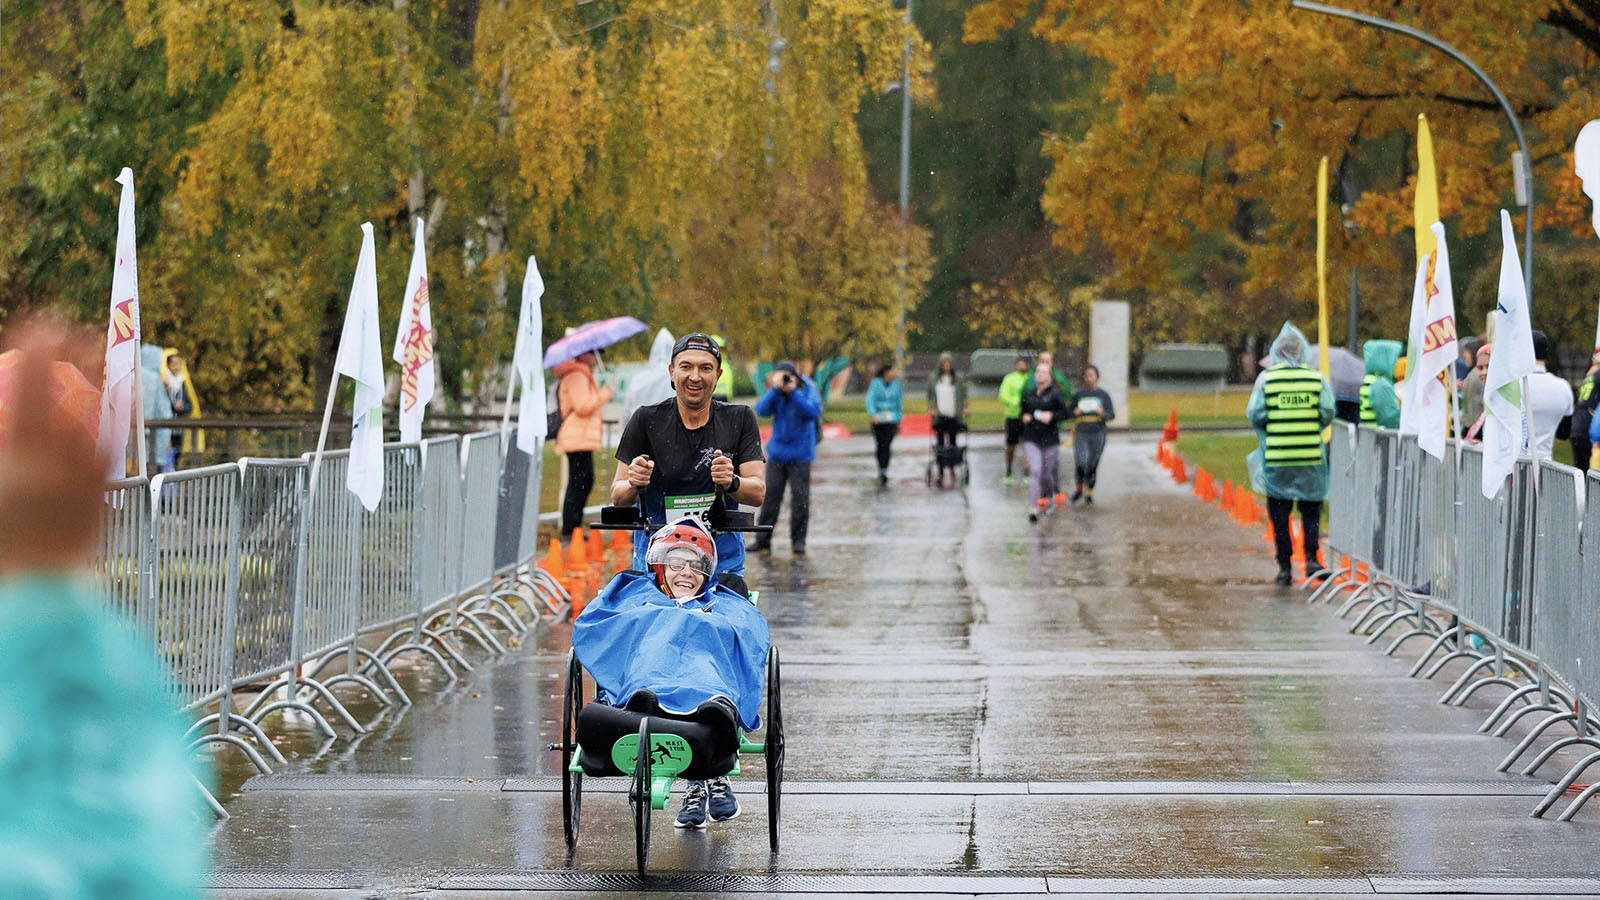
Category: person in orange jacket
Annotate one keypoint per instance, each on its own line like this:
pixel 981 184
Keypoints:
pixel 580 401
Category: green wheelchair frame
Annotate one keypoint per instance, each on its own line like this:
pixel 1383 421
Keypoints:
pixel 653 761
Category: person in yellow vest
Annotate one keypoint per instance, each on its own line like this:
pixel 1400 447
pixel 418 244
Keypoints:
pixel 724 387
pixel 1379 405
pixel 1289 407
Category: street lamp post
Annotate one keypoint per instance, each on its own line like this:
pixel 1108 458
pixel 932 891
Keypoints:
pixel 1505 106
pixel 905 199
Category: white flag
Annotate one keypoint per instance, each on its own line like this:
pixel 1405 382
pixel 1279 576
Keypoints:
pixel 122 339
pixel 1419 318
pixel 528 360
pixel 361 360
pixel 1439 349
pixel 413 344
pixel 1505 433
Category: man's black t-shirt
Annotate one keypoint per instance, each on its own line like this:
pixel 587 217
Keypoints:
pixel 682 480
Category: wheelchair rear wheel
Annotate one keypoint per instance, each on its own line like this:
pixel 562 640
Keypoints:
pixel 571 782
pixel 639 795
pixel 774 747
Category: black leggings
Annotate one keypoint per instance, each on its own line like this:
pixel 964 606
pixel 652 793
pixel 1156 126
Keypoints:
pixel 883 433
pixel 580 481
pixel 1086 449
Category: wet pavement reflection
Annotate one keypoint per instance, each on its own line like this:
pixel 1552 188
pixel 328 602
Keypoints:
pixel 1112 693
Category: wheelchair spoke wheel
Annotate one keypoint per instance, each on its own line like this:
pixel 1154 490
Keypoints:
pixel 774 750
pixel 571 782
pixel 639 794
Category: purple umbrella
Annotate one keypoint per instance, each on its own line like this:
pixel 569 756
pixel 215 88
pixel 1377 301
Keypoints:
pixel 591 336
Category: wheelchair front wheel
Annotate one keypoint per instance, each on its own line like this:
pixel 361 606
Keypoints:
pixel 639 794
pixel 774 747
pixel 571 782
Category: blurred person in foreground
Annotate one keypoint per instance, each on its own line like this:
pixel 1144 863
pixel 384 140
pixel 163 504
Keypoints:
pixel 100 801
pixel 1289 406
pixel 885 406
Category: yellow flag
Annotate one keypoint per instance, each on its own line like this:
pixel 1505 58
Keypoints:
pixel 1425 207
pixel 1322 267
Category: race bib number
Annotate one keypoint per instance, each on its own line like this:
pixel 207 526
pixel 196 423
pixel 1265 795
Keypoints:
pixel 1089 406
pixel 693 506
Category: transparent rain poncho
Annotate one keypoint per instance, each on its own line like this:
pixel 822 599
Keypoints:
pixel 1290 348
pixel 651 384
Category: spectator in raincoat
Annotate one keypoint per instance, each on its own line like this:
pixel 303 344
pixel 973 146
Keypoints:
pixel 581 400
pixel 1380 405
pixel 100 799
pixel 651 384
pixel 185 405
pixel 1289 407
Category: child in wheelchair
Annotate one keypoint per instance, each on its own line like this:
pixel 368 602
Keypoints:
pixel 679 646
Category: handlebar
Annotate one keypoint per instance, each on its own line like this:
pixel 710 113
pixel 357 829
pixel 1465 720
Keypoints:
pixel 721 519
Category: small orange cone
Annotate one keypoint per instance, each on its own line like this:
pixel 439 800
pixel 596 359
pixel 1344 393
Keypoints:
pixel 552 561
pixel 1297 541
pixel 1161 452
pixel 1170 432
pixel 1227 494
pixel 578 550
pixel 597 547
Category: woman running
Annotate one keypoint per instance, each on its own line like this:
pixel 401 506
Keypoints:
pixel 884 407
pixel 1043 408
pixel 1091 410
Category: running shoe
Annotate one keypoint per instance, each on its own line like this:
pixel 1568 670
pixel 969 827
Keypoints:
pixel 1061 498
pixel 723 805
pixel 1285 577
pixel 1033 516
pixel 1076 496
pixel 1008 481
pixel 693 814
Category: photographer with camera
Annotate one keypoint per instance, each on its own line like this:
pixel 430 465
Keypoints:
pixel 793 404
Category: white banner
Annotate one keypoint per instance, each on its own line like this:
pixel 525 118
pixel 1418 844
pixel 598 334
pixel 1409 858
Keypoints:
pixel 118 400
pixel 413 344
pixel 361 360
pixel 1505 433
pixel 528 360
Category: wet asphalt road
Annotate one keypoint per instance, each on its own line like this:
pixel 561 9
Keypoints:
pixel 1111 701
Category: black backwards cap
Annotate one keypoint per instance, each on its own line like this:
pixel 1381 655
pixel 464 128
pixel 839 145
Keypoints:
pixel 697 340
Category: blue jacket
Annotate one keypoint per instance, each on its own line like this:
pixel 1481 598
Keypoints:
pixel 884 398
pixel 794 422
pixel 632 637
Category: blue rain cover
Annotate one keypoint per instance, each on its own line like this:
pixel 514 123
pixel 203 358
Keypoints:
pixel 632 637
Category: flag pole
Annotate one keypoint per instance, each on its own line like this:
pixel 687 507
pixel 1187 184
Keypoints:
pixel 505 419
pixel 322 440
pixel 138 401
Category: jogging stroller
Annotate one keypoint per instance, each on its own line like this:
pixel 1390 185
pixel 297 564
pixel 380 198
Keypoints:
pixel 953 458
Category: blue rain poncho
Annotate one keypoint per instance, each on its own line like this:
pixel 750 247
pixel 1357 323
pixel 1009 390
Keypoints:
pixel 632 637
pixel 1287 482
pixel 99 798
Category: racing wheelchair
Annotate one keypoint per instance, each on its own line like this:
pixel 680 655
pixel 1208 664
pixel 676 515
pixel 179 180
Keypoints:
pixel 653 748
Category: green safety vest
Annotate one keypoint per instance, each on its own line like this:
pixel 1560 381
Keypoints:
pixel 1294 418
pixel 1369 416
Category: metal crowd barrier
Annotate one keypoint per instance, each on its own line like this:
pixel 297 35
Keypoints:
pixel 243 581
pixel 1505 584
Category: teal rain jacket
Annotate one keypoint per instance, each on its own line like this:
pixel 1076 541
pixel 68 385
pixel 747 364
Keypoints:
pixel 1380 357
pixel 1290 348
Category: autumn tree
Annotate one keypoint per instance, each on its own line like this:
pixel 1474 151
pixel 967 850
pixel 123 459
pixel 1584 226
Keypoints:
pixel 1196 174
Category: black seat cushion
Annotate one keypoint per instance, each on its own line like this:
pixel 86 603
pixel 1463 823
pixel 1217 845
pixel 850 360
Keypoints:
pixel 711 730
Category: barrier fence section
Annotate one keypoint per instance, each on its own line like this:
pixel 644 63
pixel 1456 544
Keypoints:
pixel 238 576
pixel 1517 574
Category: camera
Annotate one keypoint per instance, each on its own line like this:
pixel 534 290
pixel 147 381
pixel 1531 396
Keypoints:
pixel 788 380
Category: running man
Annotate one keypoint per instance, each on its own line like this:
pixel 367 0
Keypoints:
pixel 1091 410
pixel 677 457
pixel 1011 388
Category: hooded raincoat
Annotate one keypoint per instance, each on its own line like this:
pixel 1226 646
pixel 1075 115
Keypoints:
pixel 1380 358
pixel 652 384
pixel 632 637
pixel 1290 348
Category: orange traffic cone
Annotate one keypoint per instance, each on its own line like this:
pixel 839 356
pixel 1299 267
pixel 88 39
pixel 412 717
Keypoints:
pixel 1297 542
pixel 1170 432
pixel 552 561
pixel 1161 452
pixel 1227 494
pixel 597 548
